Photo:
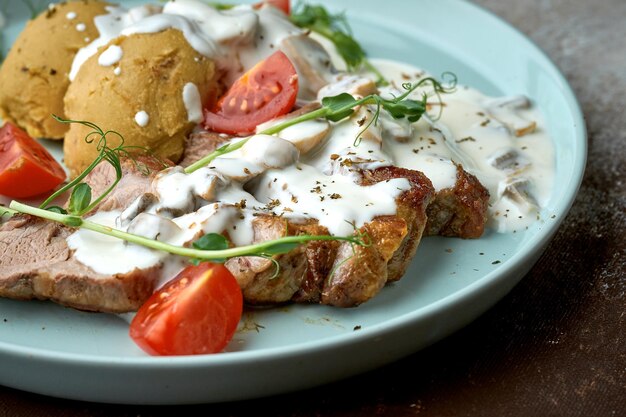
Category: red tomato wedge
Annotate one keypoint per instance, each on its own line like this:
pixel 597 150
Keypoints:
pixel 195 313
pixel 266 91
pixel 284 5
pixel 26 168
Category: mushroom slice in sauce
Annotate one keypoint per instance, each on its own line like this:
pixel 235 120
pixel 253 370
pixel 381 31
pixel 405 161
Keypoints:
pixel 509 160
pixel 503 110
pixel 517 189
pixel 354 85
pixel 141 204
pixel 153 227
pixel 308 135
pixel 312 62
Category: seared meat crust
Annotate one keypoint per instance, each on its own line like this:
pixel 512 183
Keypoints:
pixel 460 211
pixel 339 273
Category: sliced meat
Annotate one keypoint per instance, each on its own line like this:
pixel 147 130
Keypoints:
pixel 137 175
pixel 36 263
pixel 412 207
pixel 259 278
pixel 200 144
pixel 460 211
pixel 338 273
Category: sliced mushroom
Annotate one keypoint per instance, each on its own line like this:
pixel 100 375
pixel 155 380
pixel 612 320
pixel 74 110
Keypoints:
pixel 399 130
pixel 206 183
pixel 269 151
pixel 312 63
pixel 365 126
pixel 141 204
pixel 354 85
pixel 504 111
pixel 174 189
pixel 153 227
pixel 306 135
pixel 509 160
pixel 517 189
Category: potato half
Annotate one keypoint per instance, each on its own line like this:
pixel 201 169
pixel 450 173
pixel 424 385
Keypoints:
pixel 140 95
pixel 34 75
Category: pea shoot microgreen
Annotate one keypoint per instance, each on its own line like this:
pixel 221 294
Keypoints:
pixel 339 107
pixel 5 211
pixel 210 247
pixel 80 201
pixel 335 28
pixel 268 248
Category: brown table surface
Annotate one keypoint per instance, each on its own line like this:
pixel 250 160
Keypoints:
pixel 556 345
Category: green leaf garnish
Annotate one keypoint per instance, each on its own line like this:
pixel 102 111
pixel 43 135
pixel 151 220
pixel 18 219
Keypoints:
pixel 98 137
pixel 57 209
pixel 80 199
pixel 335 28
pixel 340 106
pixel 5 211
pixel 211 241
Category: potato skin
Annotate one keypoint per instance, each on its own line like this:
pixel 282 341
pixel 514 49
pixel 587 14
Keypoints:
pixel 34 75
pixel 154 69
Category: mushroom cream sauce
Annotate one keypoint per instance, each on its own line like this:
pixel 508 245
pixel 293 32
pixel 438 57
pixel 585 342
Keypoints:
pixel 303 171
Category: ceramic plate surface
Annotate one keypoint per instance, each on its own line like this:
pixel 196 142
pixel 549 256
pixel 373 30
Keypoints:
pixel 52 350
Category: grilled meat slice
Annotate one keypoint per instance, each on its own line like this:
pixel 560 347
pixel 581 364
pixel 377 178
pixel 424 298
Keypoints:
pixel 36 263
pixel 200 144
pixel 412 207
pixel 460 211
pixel 339 273
pixel 137 175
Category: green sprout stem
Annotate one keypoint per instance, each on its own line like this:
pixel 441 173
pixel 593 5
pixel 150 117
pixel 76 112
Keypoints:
pixel 203 255
pixel 5 211
pixel 231 147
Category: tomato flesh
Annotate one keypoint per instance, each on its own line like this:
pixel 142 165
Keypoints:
pixel 266 91
pixel 195 313
pixel 26 168
pixel 284 5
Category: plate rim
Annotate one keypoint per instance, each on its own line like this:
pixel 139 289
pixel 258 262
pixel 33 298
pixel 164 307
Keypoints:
pixel 536 243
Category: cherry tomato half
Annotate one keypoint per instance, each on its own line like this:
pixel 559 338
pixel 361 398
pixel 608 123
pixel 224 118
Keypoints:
pixel 266 91
pixel 284 5
pixel 195 313
pixel 26 168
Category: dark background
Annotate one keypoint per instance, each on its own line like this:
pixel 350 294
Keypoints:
pixel 556 345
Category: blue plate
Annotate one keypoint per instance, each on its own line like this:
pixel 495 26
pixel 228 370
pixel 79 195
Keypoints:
pixel 56 351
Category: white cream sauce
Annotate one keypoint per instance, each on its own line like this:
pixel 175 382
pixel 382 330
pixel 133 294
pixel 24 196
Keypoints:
pixel 500 140
pixel 142 118
pixel 193 103
pixel 111 56
pixel 108 255
pixel 308 171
